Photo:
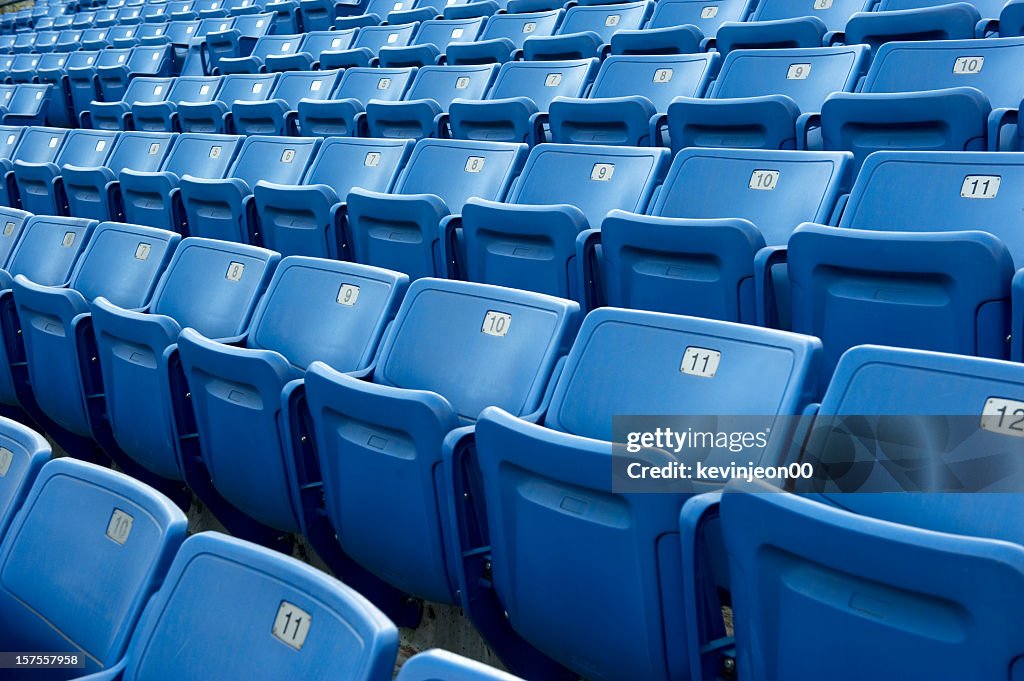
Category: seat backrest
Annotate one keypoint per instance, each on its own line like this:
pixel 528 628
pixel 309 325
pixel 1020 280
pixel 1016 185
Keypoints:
pixel 254 25
pixel 364 83
pixel 659 78
pixel 281 160
pixel 596 179
pixel 22 453
pixel 149 59
pixel 605 19
pixel 519 27
pixel 69 37
pixel 989 9
pixel 480 169
pixel 775 190
pixel 86 523
pixel 48 248
pixel 445 83
pixel 343 163
pixel 384 7
pixel 10 136
pixel 122 33
pixel 202 155
pixel 151 31
pixel 128 14
pixel 142 151
pixel 342 310
pixel 213 286
pixel 25 62
pixel 292 86
pixel 276 44
pixel 966 191
pixel 834 13
pixel 147 90
pixel 441 665
pixel 660 380
pixel 7 93
pixel 542 81
pixel 442 32
pixel 990 65
pixel 242 87
pixel 86 148
pixel 113 56
pixel 512 337
pixel 376 37
pixel 28 98
pixel 81 59
pixel 286 617
pixel 180 32
pixel 315 42
pixel 193 89
pixel 122 263
pixel 214 25
pixel 806 75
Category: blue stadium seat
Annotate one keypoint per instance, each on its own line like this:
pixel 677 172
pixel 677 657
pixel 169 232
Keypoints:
pixel 162 116
pixel 239 394
pixel 94 192
pixel 789 24
pixel 81 77
pixel 153 198
pixel 40 187
pixel 630 98
pixel 345 114
pixel 129 16
pixel 440 665
pixel 697 248
pixel 210 286
pixel 587 30
pixel 85 524
pixel 237 41
pixel 214 116
pixel 45 41
pixel 309 219
pixel 123 35
pixel 51 70
pixel 868 522
pixel 223 208
pixel 45 252
pixel 144 60
pixel 949 95
pixel 277 115
pixel 668 30
pixel 374 13
pixel 388 481
pixel 180 35
pixel 307 57
pixel 933 275
pixel 368 41
pixel 287 618
pixel 423 110
pixel 10 137
pixel 13 221
pixel 68 40
pixel 22 453
pixel 762 98
pixel 894 20
pixel 529 241
pixel 431 42
pixel 548 487
pixel 24 43
pixel 29 105
pixel 96 38
pixel 319 15
pixel 516 106
pixel 120 262
pixel 402 230
pixel 117 115
pixel 266 46
pixel 23 68
pixel 503 37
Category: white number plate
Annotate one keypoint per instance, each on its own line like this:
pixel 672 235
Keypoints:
pixel 602 172
pixel 968 65
pixel 980 187
pixel 6 457
pixel 120 526
pixel 764 180
pixel 798 72
pixel 496 323
pixel 474 164
pixel 291 625
pixel 235 270
pixel 1003 416
pixel 709 12
pixel 700 362
pixel 348 294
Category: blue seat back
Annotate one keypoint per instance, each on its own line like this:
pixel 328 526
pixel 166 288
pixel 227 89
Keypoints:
pixel 603 178
pixel 214 25
pixel 68 40
pixel 542 81
pixel 932 65
pixel 363 84
pixel 659 78
pixel 113 57
pixel 180 32
pixel 289 617
pixel 295 85
pixel 193 89
pixel 22 453
pixel 315 42
pixel 833 13
pixel 201 155
pixel 239 87
pixel 967 191
pixel 707 16
pixel 343 163
pixel 122 35
pixel 40 145
pixel 10 136
pixel 519 27
pixel 276 45
pixel 807 76
pixel 142 151
pixel 86 523
pixel 376 37
pixel 213 286
pixel 147 90
pixel 149 59
pixel 48 249
pixel 481 169
pixel 440 665
pixel 445 83
pixel 13 221
pixel 442 32
pixel 605 20
pixel 274 159
pixel 29 99
pixel 731 183
pixel 86 148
